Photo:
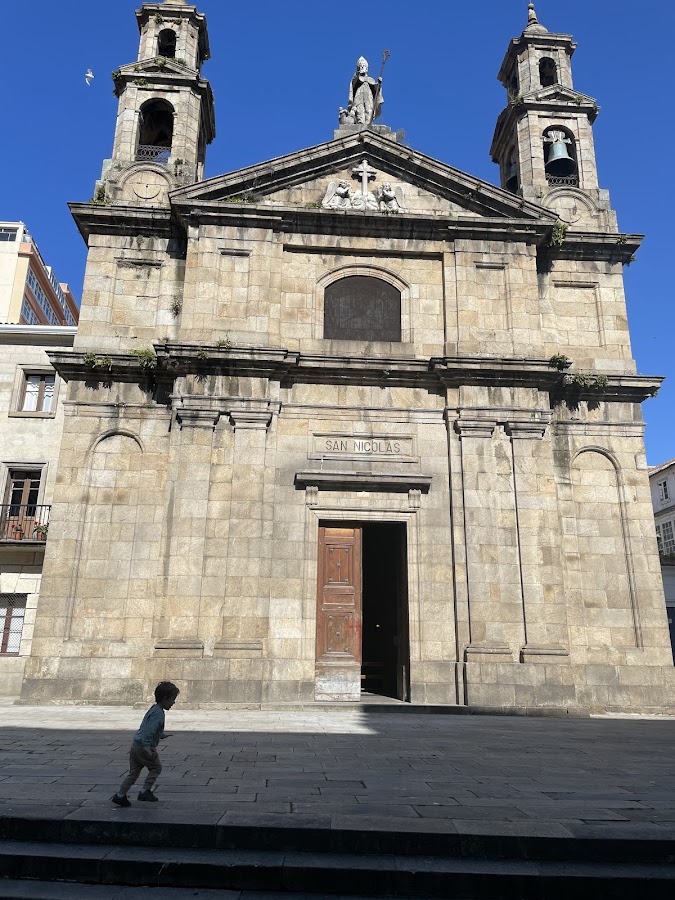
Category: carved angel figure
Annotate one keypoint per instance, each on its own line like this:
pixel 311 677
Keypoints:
pixel 390 198
pixel 338 196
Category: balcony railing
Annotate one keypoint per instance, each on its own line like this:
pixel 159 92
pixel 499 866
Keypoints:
pixel 565 180
pixel 24 523
pixel 156 154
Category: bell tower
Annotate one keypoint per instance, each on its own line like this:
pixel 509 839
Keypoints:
pixel 543 142
pixel 165 116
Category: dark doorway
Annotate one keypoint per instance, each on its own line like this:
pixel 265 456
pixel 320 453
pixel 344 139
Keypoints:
pixel 385 667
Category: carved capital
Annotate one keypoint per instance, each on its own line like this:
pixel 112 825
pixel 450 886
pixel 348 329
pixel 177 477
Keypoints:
pixel 526 430
pixel 475 428
pixel 254 419
pixel 197 418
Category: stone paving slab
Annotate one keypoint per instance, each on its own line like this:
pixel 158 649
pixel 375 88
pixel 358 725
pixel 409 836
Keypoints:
pixel 542 775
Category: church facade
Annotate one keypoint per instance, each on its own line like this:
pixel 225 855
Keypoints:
pixel 351 419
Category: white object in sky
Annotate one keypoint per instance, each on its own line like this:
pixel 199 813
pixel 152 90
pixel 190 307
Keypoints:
pixel 89 76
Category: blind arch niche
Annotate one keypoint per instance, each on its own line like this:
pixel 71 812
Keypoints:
pixel 362 307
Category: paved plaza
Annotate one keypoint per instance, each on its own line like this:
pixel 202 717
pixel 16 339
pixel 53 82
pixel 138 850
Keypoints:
pixel 413 772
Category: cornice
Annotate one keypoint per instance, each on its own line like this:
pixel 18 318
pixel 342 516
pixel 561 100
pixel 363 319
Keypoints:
pixel 173 360
pixel 412 226
pixel 99 218
pixel 606 246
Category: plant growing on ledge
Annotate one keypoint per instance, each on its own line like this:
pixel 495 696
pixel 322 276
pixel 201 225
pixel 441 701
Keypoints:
pixel 558 233
pixel 92 361
pixel 224 344
pixel 560 361
pixel 587 381
pixel 159 19
pixel 202 354
pixel 146 358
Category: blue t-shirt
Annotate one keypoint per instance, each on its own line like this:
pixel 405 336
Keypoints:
pixel 151 728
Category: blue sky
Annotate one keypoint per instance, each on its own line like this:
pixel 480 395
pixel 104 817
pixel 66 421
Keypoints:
pixel 280 71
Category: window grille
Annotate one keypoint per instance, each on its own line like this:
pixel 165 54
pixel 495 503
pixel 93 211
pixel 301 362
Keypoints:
pixel 12 615
pixel 362 308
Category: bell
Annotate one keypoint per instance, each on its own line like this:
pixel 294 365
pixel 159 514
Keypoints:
pixel 512 178
pixel 559 162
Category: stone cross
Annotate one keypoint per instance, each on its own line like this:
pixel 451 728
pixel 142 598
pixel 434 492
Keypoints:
pixel 365 173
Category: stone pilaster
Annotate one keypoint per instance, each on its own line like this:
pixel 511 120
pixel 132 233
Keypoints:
pixel 490 535
pixel 185 532
pixel 544 617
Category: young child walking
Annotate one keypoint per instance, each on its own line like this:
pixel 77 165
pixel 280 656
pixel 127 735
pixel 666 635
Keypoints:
pixel 143 753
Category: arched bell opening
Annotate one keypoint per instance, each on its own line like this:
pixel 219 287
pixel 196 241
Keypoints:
pixel 166 43
pixel 548 73
pixel 155 133
pixel 511 180
pixel 560 157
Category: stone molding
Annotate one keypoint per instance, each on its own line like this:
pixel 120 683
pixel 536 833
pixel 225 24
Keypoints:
pixel 488 652
pixel 281 364
pixel 363 481
pixel 531 653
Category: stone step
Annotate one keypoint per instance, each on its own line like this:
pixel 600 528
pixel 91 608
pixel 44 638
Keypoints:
pixel 13 889
pixel 631 844
pixel 368 875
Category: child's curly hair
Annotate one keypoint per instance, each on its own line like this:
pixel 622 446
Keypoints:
pixel 165 690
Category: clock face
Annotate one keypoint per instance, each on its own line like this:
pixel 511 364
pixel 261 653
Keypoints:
pixel 150 187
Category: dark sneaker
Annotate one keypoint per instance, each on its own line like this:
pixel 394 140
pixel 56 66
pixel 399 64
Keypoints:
pixel 120 801
pixel 147 795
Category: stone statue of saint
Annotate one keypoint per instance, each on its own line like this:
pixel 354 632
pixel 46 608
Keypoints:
pixel 365 97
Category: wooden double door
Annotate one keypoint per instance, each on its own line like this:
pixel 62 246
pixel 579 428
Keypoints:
pixel 362 611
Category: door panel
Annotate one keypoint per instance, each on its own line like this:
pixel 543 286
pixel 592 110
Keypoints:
pixel 339 596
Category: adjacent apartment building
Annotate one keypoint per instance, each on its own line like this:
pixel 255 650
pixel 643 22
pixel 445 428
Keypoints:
pixel 662 482
pixel 30 293
pixel 37 314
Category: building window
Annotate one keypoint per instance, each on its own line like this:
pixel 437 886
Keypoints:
pixel 38 393
pixel 664 493
pixel 12 615
pixel 667 545
pixel 20 514
pixel 362 308
pixel 28 315
pixel 41 298
pixel 8 234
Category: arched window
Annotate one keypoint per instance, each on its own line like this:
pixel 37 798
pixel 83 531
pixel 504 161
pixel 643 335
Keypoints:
pixel 166 43
pixel 155 134
pixel 511 180
pixel 548 74
pixel 362 308
pixel 560 156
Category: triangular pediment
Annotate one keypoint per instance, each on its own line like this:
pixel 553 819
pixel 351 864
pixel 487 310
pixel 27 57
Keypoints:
pixel 331 177
pixel 558 93
pixel 159 65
